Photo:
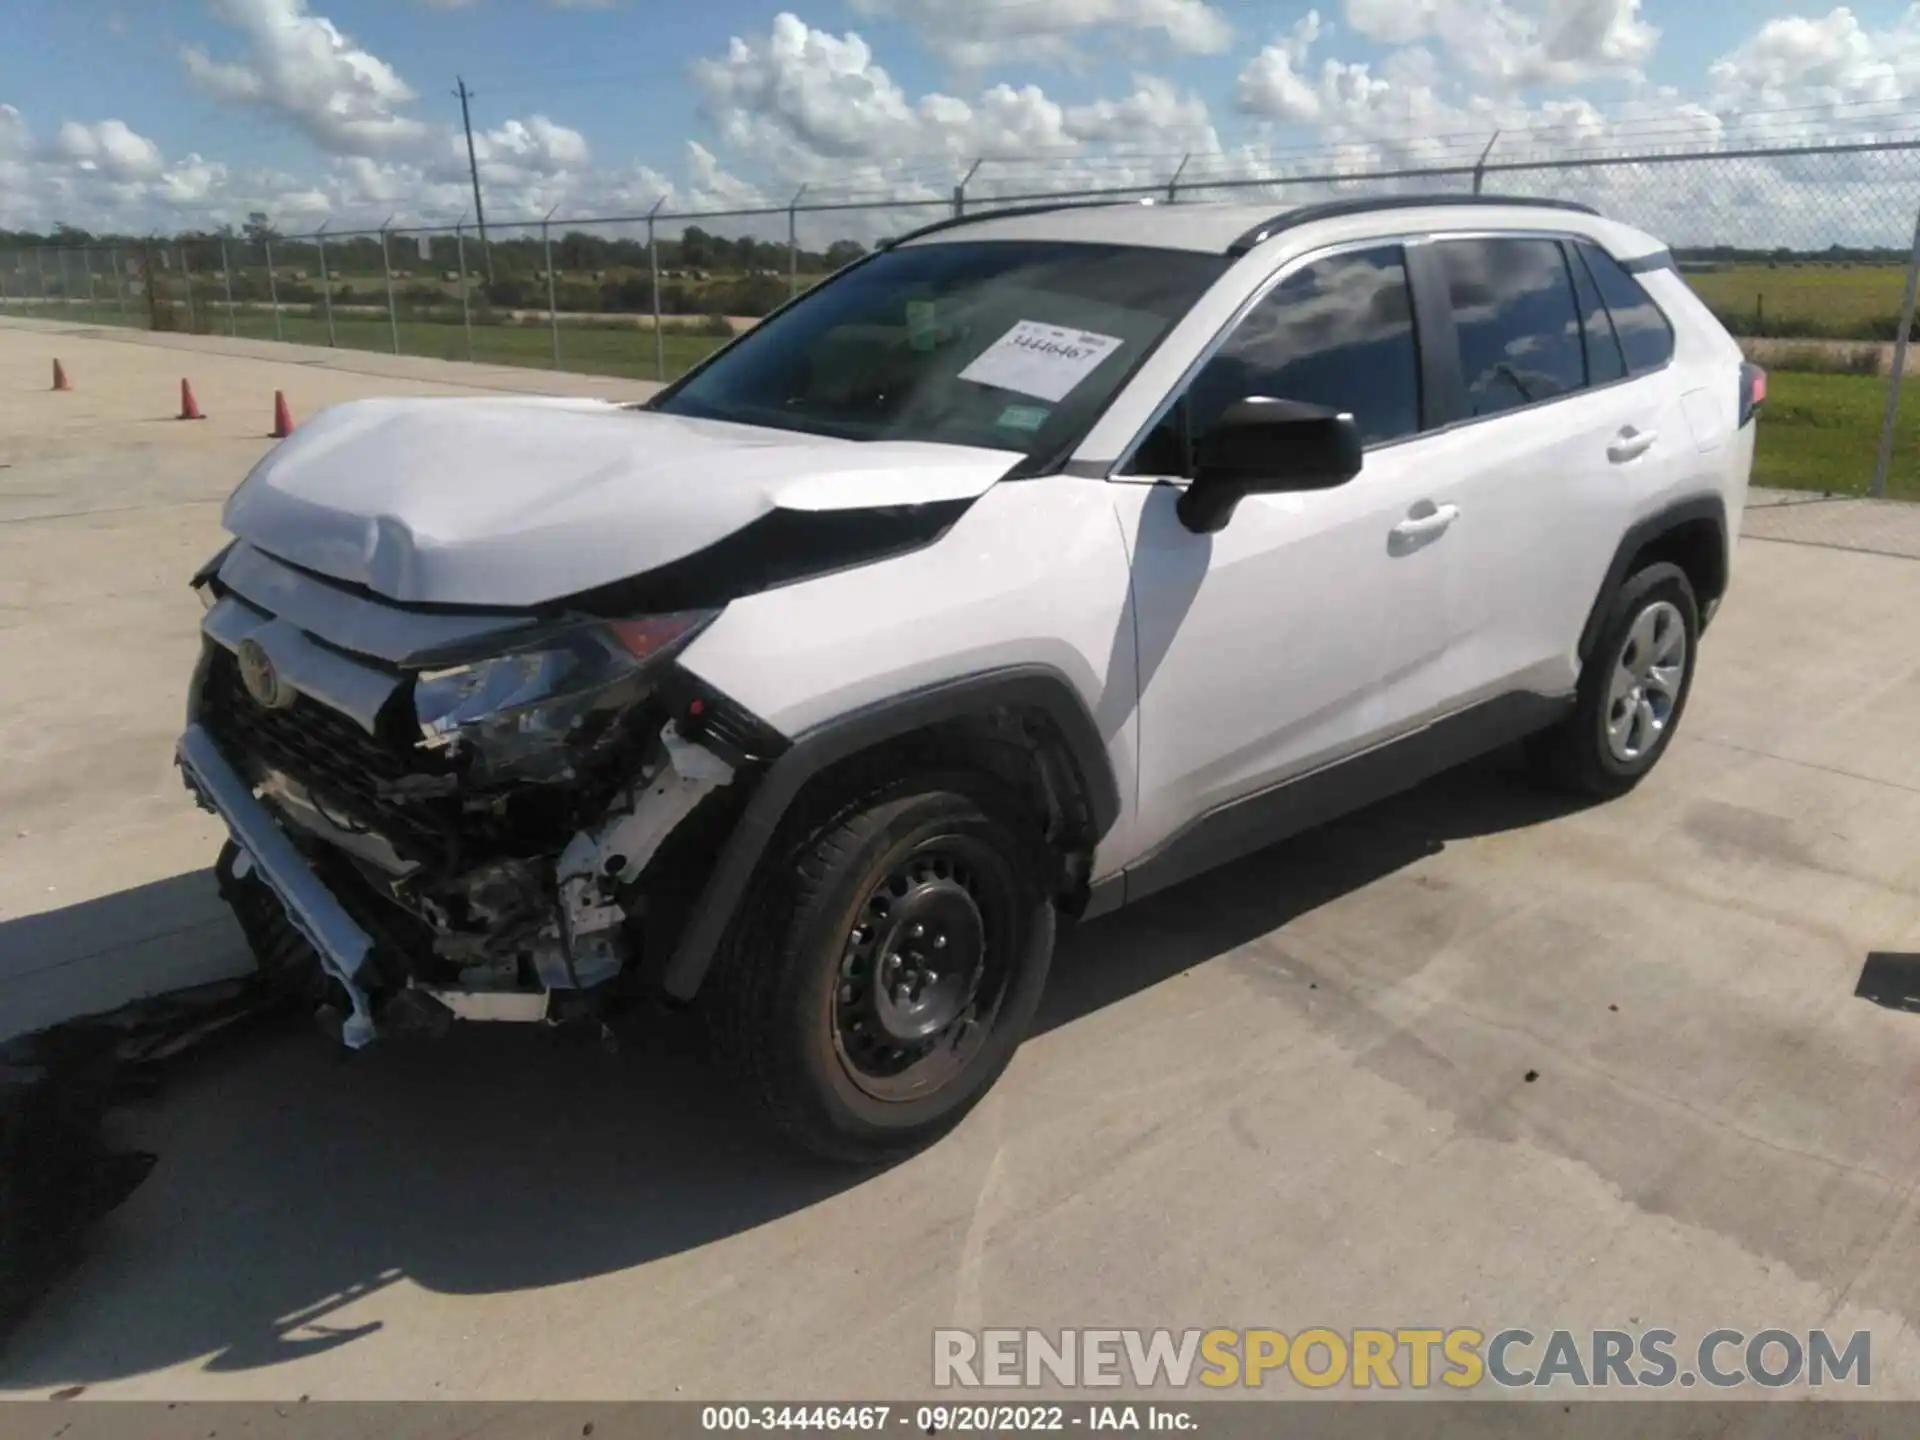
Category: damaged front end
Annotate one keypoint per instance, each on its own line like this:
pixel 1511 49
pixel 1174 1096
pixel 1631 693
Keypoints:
pixel 501 828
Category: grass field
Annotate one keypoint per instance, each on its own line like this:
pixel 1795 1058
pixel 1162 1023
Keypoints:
pixel 1835 300
pixel 1822 432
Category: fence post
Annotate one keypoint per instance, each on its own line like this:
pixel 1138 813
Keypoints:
pixel 193 305
pixel 466 312
pixel 960 190
pixel 66 288
pixel 1173 185
pixel 273 288
pixel 793 243
pixel 153 285
pixel 93 310
pixel 1480 166
pixel 120 281
pixel 553 305
pixel 653 270
pixel 40 277
pixel 326 284
pixel 1884 460
pixel 226 284
pixel 386 268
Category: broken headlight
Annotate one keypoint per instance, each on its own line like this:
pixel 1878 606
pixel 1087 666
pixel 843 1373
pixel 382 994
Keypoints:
pixel 535 711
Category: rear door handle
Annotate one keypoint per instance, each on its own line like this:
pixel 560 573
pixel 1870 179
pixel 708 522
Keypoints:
pixel 1427 522
pixel 1631 444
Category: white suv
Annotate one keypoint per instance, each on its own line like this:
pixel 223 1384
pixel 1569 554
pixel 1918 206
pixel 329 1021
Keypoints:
pixel 1033 563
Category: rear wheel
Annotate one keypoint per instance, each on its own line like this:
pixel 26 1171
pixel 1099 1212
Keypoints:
pixel 890 968
pixel 1633 689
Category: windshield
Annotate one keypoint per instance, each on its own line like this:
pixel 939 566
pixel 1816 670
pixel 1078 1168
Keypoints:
pixel 1007 345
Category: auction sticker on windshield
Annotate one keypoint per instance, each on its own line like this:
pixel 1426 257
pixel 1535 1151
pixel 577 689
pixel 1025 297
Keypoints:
pixel 1046 361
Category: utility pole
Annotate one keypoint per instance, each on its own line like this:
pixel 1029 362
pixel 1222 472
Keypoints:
pixel 473 166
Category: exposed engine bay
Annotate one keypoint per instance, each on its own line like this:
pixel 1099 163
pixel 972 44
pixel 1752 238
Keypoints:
pixel 501 823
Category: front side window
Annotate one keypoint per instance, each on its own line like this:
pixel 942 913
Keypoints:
pixel 1521 340
pixel 1337 332
pixel 1645 335
pixel 1010 345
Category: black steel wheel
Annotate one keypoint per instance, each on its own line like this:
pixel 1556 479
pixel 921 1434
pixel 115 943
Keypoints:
pixel 890 969
pixel 925 968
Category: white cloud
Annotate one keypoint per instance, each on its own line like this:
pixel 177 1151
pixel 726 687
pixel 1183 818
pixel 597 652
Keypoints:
pixel 108 147
pixel 1274 83
pixel 1155 113
pixel 793 104
pixel 347 100
pixel 1818 68
pixel 1514 44
pixel 972 33
pixel 807 106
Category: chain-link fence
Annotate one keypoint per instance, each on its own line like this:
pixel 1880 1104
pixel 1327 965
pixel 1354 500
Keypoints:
pixel 1808 253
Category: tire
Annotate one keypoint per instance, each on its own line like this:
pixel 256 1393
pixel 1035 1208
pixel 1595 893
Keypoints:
pixel 835 1060
pixel 1596 751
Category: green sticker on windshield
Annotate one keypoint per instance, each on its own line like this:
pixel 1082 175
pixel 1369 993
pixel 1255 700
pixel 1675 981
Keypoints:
pixel 1023 417
pixel 923 324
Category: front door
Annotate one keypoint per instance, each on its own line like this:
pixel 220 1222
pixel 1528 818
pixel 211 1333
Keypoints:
pixel 1297 634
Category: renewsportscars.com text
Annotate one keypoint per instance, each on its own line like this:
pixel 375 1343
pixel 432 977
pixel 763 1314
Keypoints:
pixel 1460 1358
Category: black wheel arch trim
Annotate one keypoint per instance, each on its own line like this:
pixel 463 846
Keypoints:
pixel 1644 533
pixel 1019 687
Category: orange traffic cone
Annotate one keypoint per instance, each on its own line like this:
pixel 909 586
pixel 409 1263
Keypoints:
pixel 282 416
pixel 60 377
pixel 188 409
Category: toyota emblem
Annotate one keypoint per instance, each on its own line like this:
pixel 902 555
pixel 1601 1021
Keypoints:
pixel 263 682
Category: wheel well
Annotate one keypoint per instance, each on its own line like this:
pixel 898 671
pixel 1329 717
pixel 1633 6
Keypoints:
pixel 1020 747
pixel 1697 547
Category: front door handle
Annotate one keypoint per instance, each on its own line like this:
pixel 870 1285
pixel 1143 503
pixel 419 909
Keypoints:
pixel 1631 444
pixel 1425 522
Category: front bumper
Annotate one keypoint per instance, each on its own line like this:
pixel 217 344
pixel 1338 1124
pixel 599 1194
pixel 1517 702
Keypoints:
pixel 311 908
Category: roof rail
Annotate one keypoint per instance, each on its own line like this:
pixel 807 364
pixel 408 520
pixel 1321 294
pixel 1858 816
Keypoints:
pixel 1006 213
pixel 1363 205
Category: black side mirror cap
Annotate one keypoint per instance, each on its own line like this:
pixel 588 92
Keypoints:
pixel 1262 446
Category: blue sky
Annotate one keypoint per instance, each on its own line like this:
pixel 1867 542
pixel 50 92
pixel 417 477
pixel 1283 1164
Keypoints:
pixel 337 108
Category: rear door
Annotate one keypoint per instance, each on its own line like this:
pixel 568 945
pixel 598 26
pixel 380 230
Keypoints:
pixel 1554 437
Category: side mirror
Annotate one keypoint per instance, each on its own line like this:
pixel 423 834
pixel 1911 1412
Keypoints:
pixel 1261 446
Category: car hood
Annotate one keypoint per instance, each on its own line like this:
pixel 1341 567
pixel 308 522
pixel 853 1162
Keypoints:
pixel 519 501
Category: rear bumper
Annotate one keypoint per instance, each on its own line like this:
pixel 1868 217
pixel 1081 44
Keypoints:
pixel 311 908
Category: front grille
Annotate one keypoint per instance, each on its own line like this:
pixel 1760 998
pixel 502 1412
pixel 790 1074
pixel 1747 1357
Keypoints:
pixel 344 768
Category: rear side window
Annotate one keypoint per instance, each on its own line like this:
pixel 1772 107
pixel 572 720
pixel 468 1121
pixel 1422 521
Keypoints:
pixel 1604 361
pixel 1337 332
pixel 1646 337
pixel 1521 339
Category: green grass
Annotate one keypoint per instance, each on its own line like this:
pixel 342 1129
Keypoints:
pixel 1822 432
pixel 1836 300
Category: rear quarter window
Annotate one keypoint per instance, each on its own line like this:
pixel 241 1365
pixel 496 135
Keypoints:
pixel 1646 335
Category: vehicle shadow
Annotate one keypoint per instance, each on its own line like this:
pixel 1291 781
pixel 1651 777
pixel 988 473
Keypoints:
pixel 294 1178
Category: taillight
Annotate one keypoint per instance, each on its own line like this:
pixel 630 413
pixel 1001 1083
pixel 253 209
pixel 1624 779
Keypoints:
pixel 1753 391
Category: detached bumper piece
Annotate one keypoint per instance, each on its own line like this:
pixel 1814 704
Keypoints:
pixel 312 909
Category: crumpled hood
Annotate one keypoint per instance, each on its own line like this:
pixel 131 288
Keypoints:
pixel 518 501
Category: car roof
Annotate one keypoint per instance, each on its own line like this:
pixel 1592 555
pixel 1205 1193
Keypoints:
pixel 1236 227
